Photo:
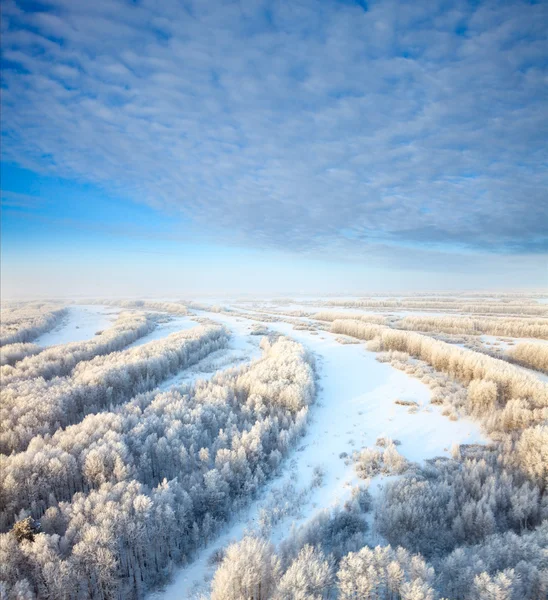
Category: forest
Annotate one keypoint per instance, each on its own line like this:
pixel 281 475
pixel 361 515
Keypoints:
pixel 295 449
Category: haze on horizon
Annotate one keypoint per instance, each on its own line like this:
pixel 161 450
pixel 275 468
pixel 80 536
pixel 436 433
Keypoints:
pixel 272 147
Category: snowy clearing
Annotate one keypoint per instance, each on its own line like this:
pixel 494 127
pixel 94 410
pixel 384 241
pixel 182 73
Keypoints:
pixel 82 323
pixel 242 347
pixel 163 329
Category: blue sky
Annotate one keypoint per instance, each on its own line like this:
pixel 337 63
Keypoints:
pixel 310 146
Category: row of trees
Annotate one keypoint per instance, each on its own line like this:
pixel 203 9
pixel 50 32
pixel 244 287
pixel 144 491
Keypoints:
pixel 24 323
pixel 521 327
pixel 533 356
pixel 59 360
pixel 174 308
pixel 528 354
pixel 333 315
pixel 40 407
pixel 13 353
pixel 506 326
pixel 139 439
pixel 442 296
pixel 483 306
pixel 358 329
pixel 512 384
pixel 139 489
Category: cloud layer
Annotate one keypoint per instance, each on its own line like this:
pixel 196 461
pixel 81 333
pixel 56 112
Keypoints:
pixel 299 125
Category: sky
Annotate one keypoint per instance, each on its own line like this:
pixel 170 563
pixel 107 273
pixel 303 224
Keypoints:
pixel 314 146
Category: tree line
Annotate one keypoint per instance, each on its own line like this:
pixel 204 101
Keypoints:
pixel 59 360
pixel 40 406
pixel 24 323
pixel 124 495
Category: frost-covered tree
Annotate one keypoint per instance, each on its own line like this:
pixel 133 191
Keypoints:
pixel 124 495
pixel 534 356
pixel 39 406
pixel 383 573
pixel 250 571
pixel 309 577
pixel 482 397
pixel 25 322
pixel 26 529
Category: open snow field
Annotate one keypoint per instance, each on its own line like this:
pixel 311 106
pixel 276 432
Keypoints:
pixel 82 323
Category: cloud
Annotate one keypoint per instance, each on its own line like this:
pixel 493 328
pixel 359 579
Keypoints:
pixel 13 200
pixel 366 129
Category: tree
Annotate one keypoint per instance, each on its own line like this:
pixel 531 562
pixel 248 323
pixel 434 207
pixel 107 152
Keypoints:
pixel 249 571
pixel 26 529
pixel 533 454
pixel 309 577
pixel 482 397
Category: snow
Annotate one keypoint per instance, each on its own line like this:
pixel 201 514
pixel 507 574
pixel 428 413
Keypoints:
pixel 81 323
pixel 162 330
pixel 355 405
pixel 242 348
pixel 542 376
pixel 508 343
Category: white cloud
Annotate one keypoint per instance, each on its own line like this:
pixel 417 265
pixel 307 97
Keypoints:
pixel 299 125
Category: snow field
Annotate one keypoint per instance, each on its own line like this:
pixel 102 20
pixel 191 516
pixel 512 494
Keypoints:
pixel 242 347
pixel 82 323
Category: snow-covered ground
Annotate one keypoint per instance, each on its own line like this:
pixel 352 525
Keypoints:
pixel 506 343
pixel 242 347
pixel 355 405
pixel 82 323
pixel 162 330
